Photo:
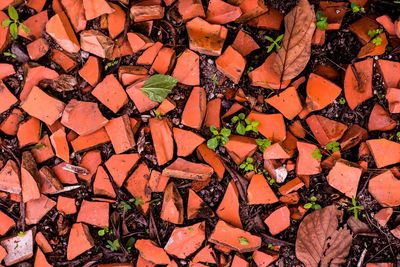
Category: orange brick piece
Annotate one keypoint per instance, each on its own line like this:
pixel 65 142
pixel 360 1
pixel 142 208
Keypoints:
pixel 60 144
pixel 36 101
pixel 66 205
pixel 187 68
pixel 6 223
pixel 90 72
pixel 120 132
pixel 83 117
pixel 29 132
pixel 37 48
pixel 111 93
pixel 63 60
pixel 7 98
pixel 79 241
pixel 94 213
pixel 195 108
pixel 231 63
pixel 59 28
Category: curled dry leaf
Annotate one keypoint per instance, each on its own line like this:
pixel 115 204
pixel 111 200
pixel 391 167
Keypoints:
pixel 63 83
pixel 295 52
pixel 319 241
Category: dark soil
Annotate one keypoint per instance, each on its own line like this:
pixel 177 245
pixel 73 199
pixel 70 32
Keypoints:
pixel 339 50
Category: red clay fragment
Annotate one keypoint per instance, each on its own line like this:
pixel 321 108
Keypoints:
pixel 34 76
pixel 197 208
pixel 7 98
pixel 244 43
pixel 186 141
pixel 90 161
pixel 66 205
pixel 157 181
pixel 166 106
pixel 10 125
pixel 240 147
pixel 206 38
pixel 205 255
pixel 184 169
pixel 102 185
pixel 142 13
pixel 150 54
pixel 259 191
pixel 353 136
pixel 90 72
pixel 138 41
pixel 40 259
pixel 37 48
pixel 97 43
pixel 220 12
pixel 358 93
pixel 272 20
pixel 238 261
pixel 361 28
pixel 86 142
pixel 231 237
pixel 42 242
pixel 151 252
pixel 120 165
pixel 130 74
pixel 231 63
pixel 213 159
pixel 83 117
pixel 6 70
pixel 6 223
pixel 380 120
pixel 278 220
pixel 94 213
pixel 76 13
pixel 36 24
pixel 79 241
pixel 161 135
pixel 213 113
pixel 164 60
pixel 60 29
pixel 287 102
pixel 172 207
pixel 320 92
pixel 184 241
pixel 49 183
pixel 4 34
pixel 116 21
pixel 189 9
pixel 251 9
pixel 60 144
pixel 142 102
pixel 195 108
pixel 325 130
pixel 96 8
pixel 272 126
pixel 389 69
pixel 393 98
pixel 306 164
pixel 385 188
pixel 263 259
pixel 28 132
pixel 228 209
pixel 120 132
pixel 63 60
pixel 64 176
pixel 36 100
pixel 345 177
pixel 38 208
pixel 138 185
pixel 187 68
pixel 370 49
pixel 383 216
pixel 266 77
pixel 385 152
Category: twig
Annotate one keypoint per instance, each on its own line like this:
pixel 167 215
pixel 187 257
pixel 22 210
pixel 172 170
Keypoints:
pixel 273 240
pixel 361 260
pixel 241 183
pixel 357 75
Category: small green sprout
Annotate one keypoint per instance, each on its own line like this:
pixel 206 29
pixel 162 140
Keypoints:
pixel 274 43
pixel 396 1
pixel 113 245
pixel 243 241
pixel 13 23
pixel 312 204
pixel 316 154
pixel 157 114
pixel 124 206
pixel 129 244
pixel 9 54
pixel 244 125
pixel 112 63
pixel 355 208
pixel 21 234
pixel 250 69
pixel 138 201
pixel 104 231
pixel 247 165
pixel 219 138
pixel 374 34
pixel 270 246
pixel 342 101
pixel 263 143
pixel 214 79
pixel 398 136
pixel 333 146
pixel 322 21
pixel 356 8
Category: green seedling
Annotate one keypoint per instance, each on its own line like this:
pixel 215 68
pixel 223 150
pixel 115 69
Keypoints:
pixel 113 245
pixel 130 243
pixel 342 101
pixel 243 241
pixel 9 54
pixel 250 69
pixel 356 8
pixel 312 204
pixel 322 21
pixel 21 234
pixel 111 64
pixel 263 143
pixel 124 206
pixel 398 136
pixel 270 180
pixel 316 154
pixel 374 34
pixel 219 138
pixel 248 165
pixel 104 231
pixel 274 43
pixel 355 208
pixel 13 23
pixel 157 114
pixel 214 79
pixel 333 146
pixel 244 125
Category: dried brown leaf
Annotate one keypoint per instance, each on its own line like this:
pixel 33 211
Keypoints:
pixel 319 241
pixel 295 52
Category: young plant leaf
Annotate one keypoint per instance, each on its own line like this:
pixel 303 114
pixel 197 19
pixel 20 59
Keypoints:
pixel 14 30
pixel 5 23
pixel 158 86
pixel 12 13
